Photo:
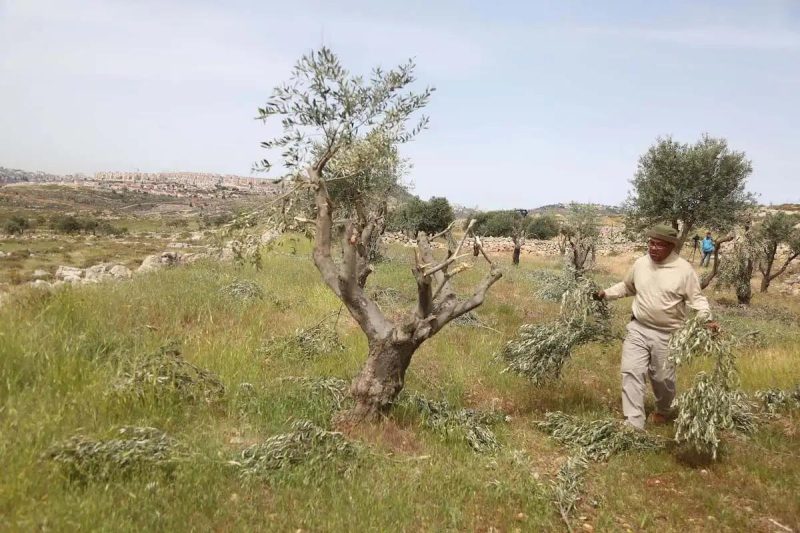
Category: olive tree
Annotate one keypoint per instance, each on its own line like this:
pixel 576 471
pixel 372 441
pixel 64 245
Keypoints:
pixel 326 112
pixel 737 269
pixel 689 186
pixel 579 235
pixel 775 230
pixel 513 223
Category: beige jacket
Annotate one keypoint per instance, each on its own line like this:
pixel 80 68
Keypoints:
pixel 661 292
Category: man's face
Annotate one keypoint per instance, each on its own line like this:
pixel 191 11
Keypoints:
pixel 658 249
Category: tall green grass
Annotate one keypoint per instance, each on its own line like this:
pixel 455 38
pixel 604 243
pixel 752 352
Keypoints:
pixel 62 352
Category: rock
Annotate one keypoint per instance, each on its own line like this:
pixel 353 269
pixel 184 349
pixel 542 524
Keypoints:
pixel 41 284
pixel 188 259
pixel 178 245
pixel 154 262
pixel 40 274
pixel 69 274
pixel 97 273
pixel 269 236
pixel 120 272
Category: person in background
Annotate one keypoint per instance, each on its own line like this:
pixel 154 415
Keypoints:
pixel 662 284
pixel 707 247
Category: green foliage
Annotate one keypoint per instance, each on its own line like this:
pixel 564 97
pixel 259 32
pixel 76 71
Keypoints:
pixel 775 230
pixel 71 224
pixel 699 185
pixel 511 223
pixel 430 216
pixel 325 109
pixel 775 400
pixel 326 388
pixel 317 449
pixel 568 484
pixel 309 343
pixel 243 290
pixel 597 439
pixel 16 225
pixel 551 284
pixel 713 404
pixel 737 269
pixel 135 449
pixel 166 373
pixel 497 223
pixel 467 424
pixel 543 227
pixel 579 234
pixel 539 352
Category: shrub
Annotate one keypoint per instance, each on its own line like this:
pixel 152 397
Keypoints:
pixel 16 225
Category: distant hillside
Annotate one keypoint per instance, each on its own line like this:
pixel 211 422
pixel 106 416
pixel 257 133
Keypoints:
pixel 561 209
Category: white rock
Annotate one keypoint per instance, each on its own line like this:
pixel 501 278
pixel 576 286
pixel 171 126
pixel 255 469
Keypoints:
pixel 65 272
pixel 97 273
pixel 40 283
pixel 154 262
pixel 120 272
pixel 40 274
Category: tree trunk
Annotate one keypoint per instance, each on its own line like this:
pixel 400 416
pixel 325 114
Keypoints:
pixel 381 379
pixel 515 257
pixel 765 281
pixel 743 290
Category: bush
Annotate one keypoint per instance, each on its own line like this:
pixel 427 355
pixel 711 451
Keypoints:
pixel 71 224
pixel 544 227
pixel 418 215
pixel 16 225
pixel 496 223
pixel 66 224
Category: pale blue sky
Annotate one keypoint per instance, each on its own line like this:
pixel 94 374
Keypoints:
pixel 536 102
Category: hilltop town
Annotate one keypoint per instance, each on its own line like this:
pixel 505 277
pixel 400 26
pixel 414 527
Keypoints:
pixel 177 184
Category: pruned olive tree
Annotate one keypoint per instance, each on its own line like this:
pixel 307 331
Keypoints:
pixel 775 230
pixel 327 115
pixel 737 269
pixel 579 234
pixel 512 223
pixel 689 186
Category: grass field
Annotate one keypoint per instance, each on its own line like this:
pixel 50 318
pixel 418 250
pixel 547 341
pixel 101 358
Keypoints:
pixel 63 355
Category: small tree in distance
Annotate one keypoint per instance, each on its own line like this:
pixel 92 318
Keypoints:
pixel 418 215
pixel 326 112
pixel 579 234
pixel 689 186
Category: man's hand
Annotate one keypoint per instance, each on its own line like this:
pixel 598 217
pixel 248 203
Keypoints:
pixel 713 326
pixel 599 295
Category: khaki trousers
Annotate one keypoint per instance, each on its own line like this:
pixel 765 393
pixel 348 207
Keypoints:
pixel 645 352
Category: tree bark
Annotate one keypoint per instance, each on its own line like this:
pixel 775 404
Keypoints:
pixel 515 255
pixel 382 377
pixel 715 270
pixel 743 290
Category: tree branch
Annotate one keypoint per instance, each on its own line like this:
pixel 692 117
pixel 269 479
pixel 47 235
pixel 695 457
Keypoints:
pixel 789 259
pixel 708 279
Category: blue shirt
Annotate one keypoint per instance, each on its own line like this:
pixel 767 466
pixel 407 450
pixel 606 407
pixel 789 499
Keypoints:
pixel 708 244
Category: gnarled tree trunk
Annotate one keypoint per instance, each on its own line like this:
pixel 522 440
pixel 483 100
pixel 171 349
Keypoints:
pixel 391 343
pixel 382 377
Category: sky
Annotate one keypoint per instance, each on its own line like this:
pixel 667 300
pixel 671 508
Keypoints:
pixel 536 102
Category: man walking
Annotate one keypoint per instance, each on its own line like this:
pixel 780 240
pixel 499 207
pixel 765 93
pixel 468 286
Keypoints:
pixel 662 284
pixel 708 246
